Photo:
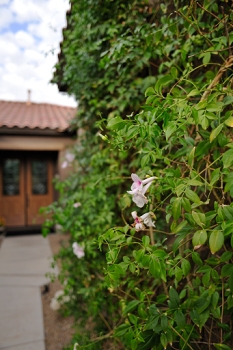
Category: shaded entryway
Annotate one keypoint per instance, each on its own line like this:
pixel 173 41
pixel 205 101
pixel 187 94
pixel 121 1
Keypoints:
pixel 25 186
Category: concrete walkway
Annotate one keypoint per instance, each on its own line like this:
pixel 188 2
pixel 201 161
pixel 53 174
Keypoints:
pixel 24 261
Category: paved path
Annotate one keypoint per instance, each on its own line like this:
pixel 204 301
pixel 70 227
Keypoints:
pixel 24 261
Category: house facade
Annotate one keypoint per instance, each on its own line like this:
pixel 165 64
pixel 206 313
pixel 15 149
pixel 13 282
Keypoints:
pixel 33 142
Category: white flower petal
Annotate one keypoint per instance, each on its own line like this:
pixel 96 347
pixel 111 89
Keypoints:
pixel 139 199
pixel 139 226
pixel 134 214
pixel 146 181
pixel 55 305
pixel 70 157
pixel 78 250
pixel 144 216
pixel 148 222
pixel 145 188
pixel 64 164
pixel 135 178
pixel 133 191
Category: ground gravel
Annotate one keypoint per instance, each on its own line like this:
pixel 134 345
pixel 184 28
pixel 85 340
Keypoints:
pixel 58 329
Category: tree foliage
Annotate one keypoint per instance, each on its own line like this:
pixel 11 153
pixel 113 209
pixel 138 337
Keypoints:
pixel 154 85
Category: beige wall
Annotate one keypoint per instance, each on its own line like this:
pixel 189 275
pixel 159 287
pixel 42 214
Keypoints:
pixel 39 143
pixel 34 143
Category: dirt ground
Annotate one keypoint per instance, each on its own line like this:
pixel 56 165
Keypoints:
pixel 58 330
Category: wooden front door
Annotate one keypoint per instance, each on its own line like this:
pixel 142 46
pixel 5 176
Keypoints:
pixel 25 186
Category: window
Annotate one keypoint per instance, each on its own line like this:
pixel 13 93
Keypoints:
pixel 11 174
pixel 39 177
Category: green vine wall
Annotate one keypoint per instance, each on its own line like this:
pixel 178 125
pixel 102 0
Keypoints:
pixel 150 258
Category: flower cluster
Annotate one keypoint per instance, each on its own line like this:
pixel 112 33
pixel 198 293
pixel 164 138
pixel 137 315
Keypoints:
pixel 58 300
pixel 77 205
pixel 140 221
pixel 69 157
pixel 138 190
pixel 78 250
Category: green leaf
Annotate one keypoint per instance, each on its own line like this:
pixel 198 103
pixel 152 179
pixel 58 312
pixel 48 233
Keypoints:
pixel 195 317
pixel 202 303
pixel 226 257
pixel 228 100
pixel 164 323
pixel 191 157
pixel 204 316
pixel 150 91
pixel 158 35
pixel 159 253
pixel 216 241
pixel 145 241
pixel 227 158
pixel 178 274
pixel 215 176
pixel 215 299
pixel 196 258
pixel 131 132
pixel 176 208
pixel 186 267
pixel 215 132
pixel 122 329
pixel 139 254
pixel 186 204
pixel 170 129
pixel 164 81
pixel 206 58
pixel 214 106
pixel 154 267
pixel 193 182
pixel 174 298
pixel 133 319
pixel 116 123
pixel 180 227
pixel 230 282
pixel 131 306
pixel 206 279
pixel 145 160
pixel 229 122
pixel 180 318
pixel 192 196
pixel 133 343
pixel 163 340
pixel 152 322
pixel 193 92
pixel 199 238
pixel 174 72
pixel 227 270
pixel 222 347
pixel 199 218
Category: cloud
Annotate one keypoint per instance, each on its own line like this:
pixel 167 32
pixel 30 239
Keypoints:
pixel 6 17
pixel 30 37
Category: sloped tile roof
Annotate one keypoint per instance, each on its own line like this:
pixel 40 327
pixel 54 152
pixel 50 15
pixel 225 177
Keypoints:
pixel 35 115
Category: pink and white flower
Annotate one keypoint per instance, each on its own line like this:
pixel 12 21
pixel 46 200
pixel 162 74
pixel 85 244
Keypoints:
pixel 69 157
pixel 139 188
pixel 78 250
pixel 140 221
pixel 77 205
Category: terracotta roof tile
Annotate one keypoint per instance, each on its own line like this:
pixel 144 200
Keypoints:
pixel 35 115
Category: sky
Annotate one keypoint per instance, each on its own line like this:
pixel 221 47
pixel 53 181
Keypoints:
pixel 30 36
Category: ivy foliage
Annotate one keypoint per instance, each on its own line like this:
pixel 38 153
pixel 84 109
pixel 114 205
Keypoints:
pixel 155 80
